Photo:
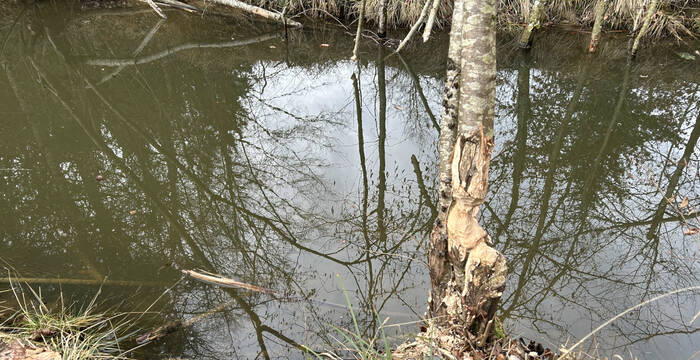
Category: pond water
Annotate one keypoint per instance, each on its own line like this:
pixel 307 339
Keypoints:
pixel 286 165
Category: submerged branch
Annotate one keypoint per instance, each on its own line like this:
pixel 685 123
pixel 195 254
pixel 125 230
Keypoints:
pixel 224 282
pixel 30 280
pixel 173 50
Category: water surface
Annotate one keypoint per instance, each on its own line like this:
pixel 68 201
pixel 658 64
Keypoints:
pixel 285 165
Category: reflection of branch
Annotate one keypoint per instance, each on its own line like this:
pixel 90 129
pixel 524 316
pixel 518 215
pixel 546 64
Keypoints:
pixel 548 189
pixel 421 186
pixel 173 50
pixel 144 42
pixel 421 95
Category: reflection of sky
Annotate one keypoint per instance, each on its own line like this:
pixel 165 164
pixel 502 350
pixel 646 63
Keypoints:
pixel 316 105
pixel 329 94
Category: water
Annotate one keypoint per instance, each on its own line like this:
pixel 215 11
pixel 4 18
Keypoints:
pixel 224 149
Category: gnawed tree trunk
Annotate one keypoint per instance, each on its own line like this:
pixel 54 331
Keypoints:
pixel 536 13
pixel 600 8
pixel 448 134
pixel 467 275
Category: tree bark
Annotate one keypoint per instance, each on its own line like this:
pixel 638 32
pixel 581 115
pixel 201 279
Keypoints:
pixel 468 276
pixel 381 31
pixel 448 134
pixel 267 14
pixel 533 23
pixel 600 8
pixel 356 49
pixel 645 25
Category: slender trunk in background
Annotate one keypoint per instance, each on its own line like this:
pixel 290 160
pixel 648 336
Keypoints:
pixel 382 19
pixel 536 13
pixel 431 20
pixel 600 9
pixel 645 26
pixel 470 295
pixel 448 132
pixel 415 27
pixel 356 49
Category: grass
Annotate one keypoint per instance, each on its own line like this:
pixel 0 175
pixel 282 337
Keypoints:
pixel 675 18
pixel 70 332
pixel 354 341
pixel 360 348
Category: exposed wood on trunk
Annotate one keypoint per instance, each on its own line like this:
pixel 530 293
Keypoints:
pixel 448 133
pixel 600 8
pixel 470 295
pixel 536 13
pixel 645 25
pixel 267 14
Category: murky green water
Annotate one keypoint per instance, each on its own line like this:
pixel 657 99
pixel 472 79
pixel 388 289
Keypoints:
pixel 224 149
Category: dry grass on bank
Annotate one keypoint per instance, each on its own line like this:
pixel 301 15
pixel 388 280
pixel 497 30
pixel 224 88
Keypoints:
pixel 33 331
pixel 676 18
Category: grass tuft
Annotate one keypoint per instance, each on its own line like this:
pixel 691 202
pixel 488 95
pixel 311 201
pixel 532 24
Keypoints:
pixel 68 331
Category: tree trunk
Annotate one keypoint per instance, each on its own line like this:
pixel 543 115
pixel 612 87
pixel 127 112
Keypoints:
pixel 600 8
pixel 381 31
pixel 448 132
pixel 536 12
pixel 467 275
pixel 645 25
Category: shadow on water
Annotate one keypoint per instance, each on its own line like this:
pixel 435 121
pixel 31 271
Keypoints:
pixel 284 164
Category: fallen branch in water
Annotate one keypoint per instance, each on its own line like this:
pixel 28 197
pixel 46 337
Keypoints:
pixel 224 282
pixel 29 280
pixel 267 14
pixel 179 5
pixel 176 325
pixel 157 9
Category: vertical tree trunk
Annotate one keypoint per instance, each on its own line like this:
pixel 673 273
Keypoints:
pixel 356 49
pixel 448 133
pixel 536 13
pixel 431 20
pixel 645 25
pixel 600 8
pixel 469 296
pixel 382 19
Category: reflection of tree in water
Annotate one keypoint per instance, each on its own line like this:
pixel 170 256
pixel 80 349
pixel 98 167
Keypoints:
pixel 232 169
pixel 575 212
pixel 218 183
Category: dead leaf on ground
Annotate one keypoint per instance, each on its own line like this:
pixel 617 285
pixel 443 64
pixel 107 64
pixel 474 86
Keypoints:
pixel 132 212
